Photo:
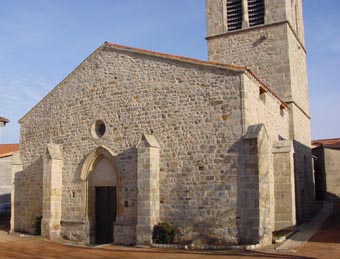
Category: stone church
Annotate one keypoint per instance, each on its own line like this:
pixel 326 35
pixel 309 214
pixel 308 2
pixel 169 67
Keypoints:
pixel 131 138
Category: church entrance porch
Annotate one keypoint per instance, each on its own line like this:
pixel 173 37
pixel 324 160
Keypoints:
pixel 114 198
pixel 102 202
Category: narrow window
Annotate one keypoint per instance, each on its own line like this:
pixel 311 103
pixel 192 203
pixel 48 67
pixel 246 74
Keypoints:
pixel 256 12
pixel 234 14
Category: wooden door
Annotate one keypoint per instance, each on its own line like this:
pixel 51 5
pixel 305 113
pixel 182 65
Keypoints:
pixel 106 210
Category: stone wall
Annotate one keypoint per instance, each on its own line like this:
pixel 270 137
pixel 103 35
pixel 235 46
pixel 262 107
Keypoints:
pixel 216 17
pixel 276 12
pixel 305 184
pixel 193 111
pixel 275 51
pixel 256 187
pixel 284 185
pixel 148 203
pixel 264 108
pixel 16 168
pixel 52 190
pixel 287 10
pixel 298 75
pixel 216 176
pixel 332 163
pixel 263 49
pixel 326 165
pixel 5 179
pixel 27 200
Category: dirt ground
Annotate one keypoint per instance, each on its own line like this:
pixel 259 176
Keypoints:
pixel 324 244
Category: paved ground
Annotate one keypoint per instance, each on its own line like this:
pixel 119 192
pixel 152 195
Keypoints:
pixel 324 244
pixel 307 231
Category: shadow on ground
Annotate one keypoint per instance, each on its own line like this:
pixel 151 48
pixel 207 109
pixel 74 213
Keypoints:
pixel 330 230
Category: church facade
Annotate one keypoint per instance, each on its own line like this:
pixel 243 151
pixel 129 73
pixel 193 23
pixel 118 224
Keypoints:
pixel 131 138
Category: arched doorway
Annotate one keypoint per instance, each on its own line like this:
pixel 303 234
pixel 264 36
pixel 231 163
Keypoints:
pixel 102 183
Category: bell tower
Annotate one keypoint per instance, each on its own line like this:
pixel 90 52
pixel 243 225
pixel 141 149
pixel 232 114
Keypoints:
pixel 267 36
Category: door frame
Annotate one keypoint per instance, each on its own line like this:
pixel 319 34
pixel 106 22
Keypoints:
pixel 86 170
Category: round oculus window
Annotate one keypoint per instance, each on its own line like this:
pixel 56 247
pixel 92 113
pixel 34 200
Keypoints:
pixel 98 129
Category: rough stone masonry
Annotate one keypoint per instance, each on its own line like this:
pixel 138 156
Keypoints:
pixel 218 150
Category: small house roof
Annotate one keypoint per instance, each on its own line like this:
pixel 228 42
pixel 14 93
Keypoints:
pixel 328 143
pixel 8 149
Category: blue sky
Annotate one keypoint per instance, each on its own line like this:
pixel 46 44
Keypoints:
pixel 42 41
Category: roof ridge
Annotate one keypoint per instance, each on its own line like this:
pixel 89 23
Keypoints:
pixel 177 57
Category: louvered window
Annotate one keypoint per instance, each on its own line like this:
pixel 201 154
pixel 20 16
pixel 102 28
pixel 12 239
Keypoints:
pixel 234 14
pixel 256 12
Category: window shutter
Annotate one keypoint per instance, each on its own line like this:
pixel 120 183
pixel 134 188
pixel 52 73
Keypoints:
pixel 256 12
pixel 234 14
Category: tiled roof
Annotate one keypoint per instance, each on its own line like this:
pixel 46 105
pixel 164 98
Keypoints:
pixel 8 149
pixel 4 120
pixel 330 143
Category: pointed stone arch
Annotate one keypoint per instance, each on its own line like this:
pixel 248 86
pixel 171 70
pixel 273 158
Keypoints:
pixel 93 158
pixel 88 167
